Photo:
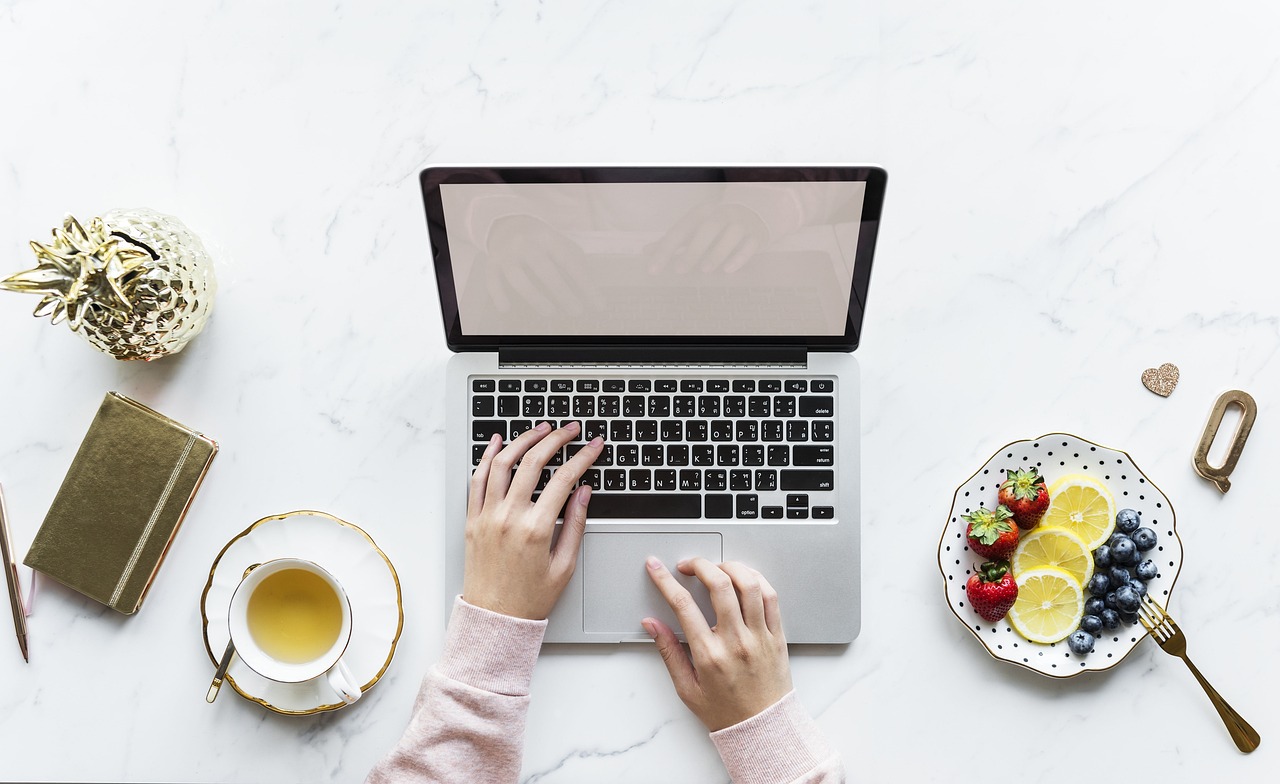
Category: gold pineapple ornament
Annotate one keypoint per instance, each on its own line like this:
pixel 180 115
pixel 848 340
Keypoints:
pixel 135 284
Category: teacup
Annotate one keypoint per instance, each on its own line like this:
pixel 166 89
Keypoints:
pixel 290 621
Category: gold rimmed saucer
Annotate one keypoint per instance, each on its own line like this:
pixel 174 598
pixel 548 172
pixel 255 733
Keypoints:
pixel 353 558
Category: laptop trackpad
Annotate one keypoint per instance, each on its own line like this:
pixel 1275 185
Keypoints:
pixel 617 591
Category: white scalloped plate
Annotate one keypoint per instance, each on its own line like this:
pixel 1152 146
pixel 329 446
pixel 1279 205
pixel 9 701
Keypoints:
pixel 1058 454
pixel 350 555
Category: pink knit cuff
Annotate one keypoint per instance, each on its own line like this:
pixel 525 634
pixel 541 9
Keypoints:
pixel 491 651
pixel 778 744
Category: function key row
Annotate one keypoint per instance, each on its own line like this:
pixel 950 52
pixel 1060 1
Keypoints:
pixel 635 406
pixel 646 385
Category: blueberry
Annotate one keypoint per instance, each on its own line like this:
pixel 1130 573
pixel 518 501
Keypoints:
pixel 1110 619
pixel 1138 586
pixel 1146 570
pixel 1102 556
pixel 1111 601
pixel 1128 520
pixel 1118 576
pixel 1091 624
pixel 1129 618
pixel 1127 599
pixel 1080 642
pixel 1098 584
pixel 1094 606
pixel 1144 538
pixel 1125 552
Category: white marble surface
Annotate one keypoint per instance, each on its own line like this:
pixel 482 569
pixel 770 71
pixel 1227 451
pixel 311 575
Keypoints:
pixel 1076 192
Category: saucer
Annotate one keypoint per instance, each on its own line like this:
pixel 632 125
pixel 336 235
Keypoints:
pixel 352 557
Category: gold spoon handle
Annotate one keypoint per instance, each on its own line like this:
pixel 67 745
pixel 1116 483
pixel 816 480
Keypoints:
pixel 221 673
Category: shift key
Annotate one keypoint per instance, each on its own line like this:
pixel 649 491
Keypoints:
pixel 812 479
pixel 813 456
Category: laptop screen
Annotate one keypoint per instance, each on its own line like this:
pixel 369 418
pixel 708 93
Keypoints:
pixel 591 255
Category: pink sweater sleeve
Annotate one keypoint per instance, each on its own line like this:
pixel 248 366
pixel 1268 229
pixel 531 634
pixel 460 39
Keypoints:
pixel 779 745
pixel 468 721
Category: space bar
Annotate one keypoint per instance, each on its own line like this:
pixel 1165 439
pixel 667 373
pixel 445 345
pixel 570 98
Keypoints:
pixel 684 506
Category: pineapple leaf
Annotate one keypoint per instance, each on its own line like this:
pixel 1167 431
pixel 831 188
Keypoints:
pixel 44 279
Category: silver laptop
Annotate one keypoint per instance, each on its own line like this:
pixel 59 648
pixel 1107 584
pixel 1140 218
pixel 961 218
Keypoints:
pixel 701 320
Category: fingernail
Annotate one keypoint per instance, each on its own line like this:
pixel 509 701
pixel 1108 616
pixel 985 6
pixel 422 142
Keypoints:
pixel 572 425
pixel 653 563
pixel 584 494
pixel 649 627
pixel 597 441
pixel 542 427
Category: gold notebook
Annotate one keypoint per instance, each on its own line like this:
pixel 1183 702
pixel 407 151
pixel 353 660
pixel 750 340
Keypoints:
pixel 121 503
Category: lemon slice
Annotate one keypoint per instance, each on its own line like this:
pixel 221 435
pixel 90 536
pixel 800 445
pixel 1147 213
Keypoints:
pixel 1049 607
pixel 1084 506
pixel 1054 547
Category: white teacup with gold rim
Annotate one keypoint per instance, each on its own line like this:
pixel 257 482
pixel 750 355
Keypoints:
pixel 290 621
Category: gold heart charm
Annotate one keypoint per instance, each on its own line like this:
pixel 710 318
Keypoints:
pixel 1161 380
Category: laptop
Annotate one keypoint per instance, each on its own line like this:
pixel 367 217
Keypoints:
pixel 702 320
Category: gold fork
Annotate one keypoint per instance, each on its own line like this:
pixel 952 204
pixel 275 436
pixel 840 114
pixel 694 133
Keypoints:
pixel 1174 643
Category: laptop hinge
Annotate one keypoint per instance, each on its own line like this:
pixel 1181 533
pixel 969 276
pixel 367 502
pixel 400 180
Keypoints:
pixel 774 356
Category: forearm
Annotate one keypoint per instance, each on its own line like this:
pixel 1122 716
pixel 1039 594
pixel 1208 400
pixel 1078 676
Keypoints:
pixel 469 719
pixel 780 745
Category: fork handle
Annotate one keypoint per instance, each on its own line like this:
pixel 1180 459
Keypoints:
pixel 1246 737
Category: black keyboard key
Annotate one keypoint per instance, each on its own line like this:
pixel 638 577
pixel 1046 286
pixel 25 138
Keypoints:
pixel 482 385
pixel 606 455
pixel 740 479
pixel 684 406
pixel 639 479
pixel 558 406
pixel 797 514
pixel 584 406
pixel 718 507
pixel 633 406
pixel 715 479
pixel 822 385
pixel 718 385
pixel 519 427
pixel 691 479
pixel 483 429
pixel 509 385
pixel 747 506
pixel 677 455
pixel 664 385
pixel 543 479
pixel 771 430
pixel 557 458
pixel 647 430
pixel 620 430
pixel 639 385
pixel 689 385
pixel 766 480
pixel 824 512
pixel 588 385
pixel 659 406
pixel 817 406
pixel 747 430
pixel 695 430
pixel 561 385
pixel 797 430
pixel 771 385
pixel 797 385
pixel 744 385
pixel 509 406
pixel 614 479
pixel 753 454
pixel 771 513
pixel 627 455
pixel 735 406
pixel 823 430
pixel 758 406
pixel 704 455
pixel 477 452
pixel 779 455
pixel 591 478
pixel 593 428
pixel 609 406
pixel 808 479
pixel 813 456
pixel 482 406
pixel 535 385
pixel 534 406
pixel 651 455
pixel 663 506
pixel 784 406
pixel 708 406
pixel 671 430
pixel 664 479
pixel 797 499
pixel 613 385
pixel 727 455
pixel 721 430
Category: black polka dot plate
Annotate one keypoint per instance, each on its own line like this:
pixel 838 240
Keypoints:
pixel 1057 455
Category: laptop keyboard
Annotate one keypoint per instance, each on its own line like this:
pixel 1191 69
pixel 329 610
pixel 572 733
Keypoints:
pixel 681 448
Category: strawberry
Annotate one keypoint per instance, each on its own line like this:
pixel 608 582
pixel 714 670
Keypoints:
pixel 1025 495
pixel 992 534
pixel 991 590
